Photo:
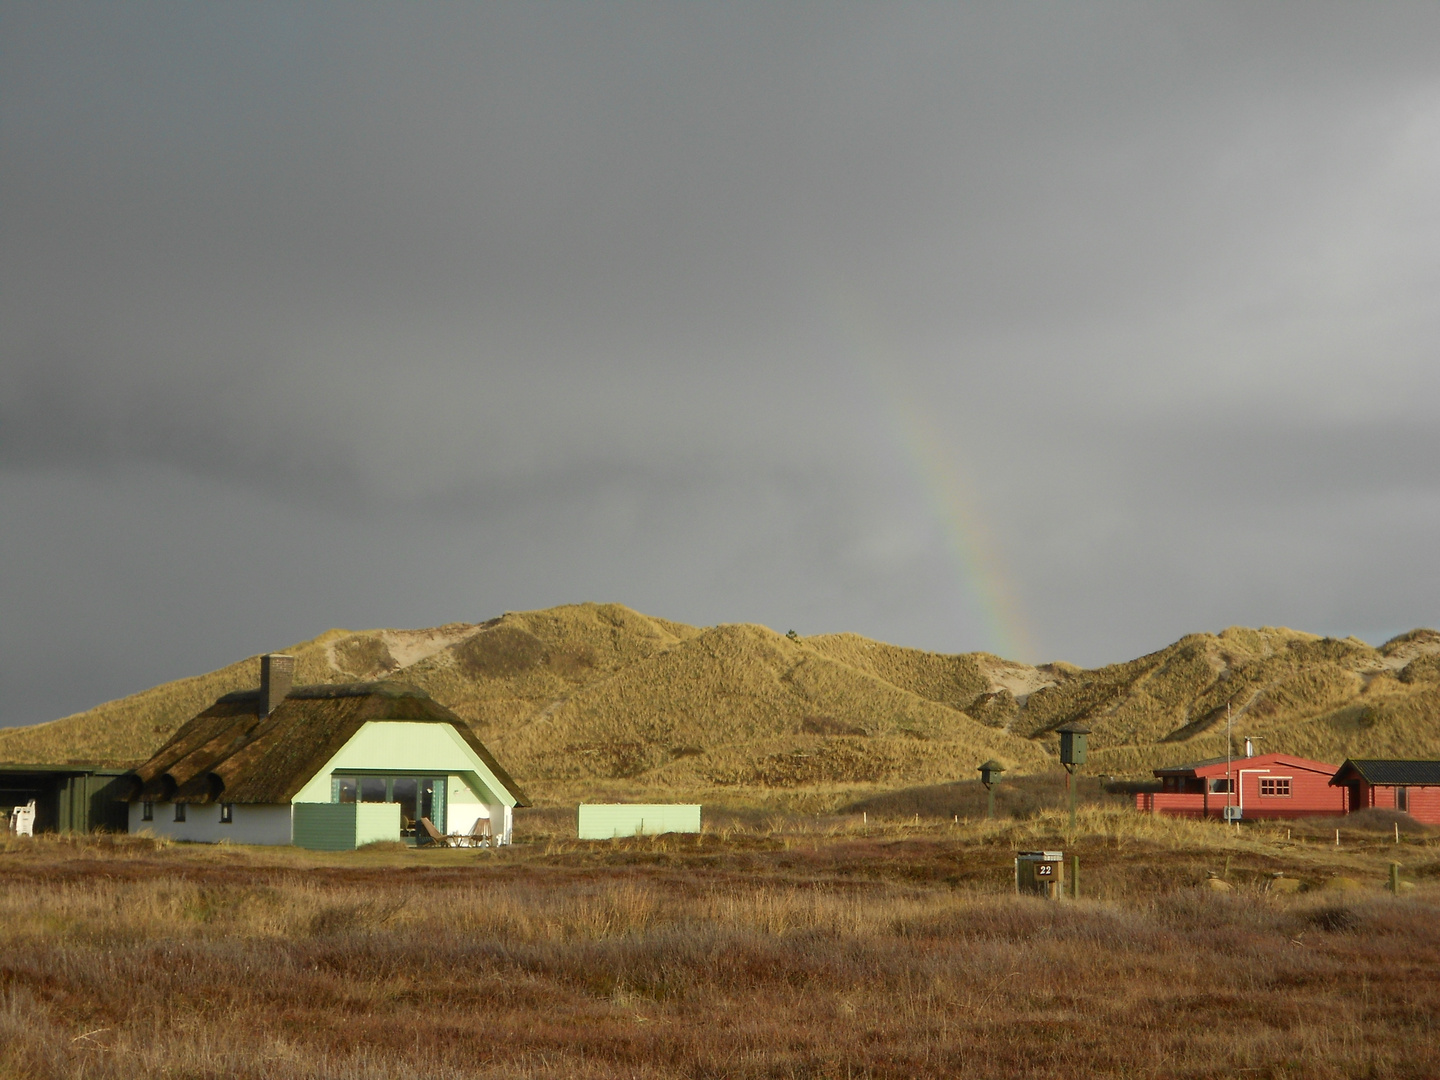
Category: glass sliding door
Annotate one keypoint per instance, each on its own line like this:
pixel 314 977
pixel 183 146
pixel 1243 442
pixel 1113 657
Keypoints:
pixel 404 790
pixel 418 797
pixel 374 789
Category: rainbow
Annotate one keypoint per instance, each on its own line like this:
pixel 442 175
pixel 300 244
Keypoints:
pixel 956 508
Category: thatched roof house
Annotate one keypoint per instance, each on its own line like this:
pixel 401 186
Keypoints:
pixel 257 767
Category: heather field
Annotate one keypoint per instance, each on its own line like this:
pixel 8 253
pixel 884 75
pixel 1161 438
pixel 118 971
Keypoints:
pixel 778 946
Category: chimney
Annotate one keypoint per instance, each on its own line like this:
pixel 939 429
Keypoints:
pixel 1249 748
pixel 277 671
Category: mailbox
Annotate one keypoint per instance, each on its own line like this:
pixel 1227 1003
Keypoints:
pixel 1040 873
pixel 1072 744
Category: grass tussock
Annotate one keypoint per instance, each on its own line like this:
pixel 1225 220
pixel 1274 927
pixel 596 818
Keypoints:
pixel 789 947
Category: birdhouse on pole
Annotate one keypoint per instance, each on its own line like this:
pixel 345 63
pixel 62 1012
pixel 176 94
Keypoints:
pixel 1072 756
pixel 990 772
pixel 1072 745
pixel 990 776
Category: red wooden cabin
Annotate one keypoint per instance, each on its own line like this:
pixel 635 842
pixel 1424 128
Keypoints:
pixel 1263 786
pixel 1411 786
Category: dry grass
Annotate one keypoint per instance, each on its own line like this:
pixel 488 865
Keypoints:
pixel 1022 798
pixel 785 947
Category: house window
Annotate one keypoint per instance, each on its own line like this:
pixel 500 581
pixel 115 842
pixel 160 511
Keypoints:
pixel 1275 785
pixel 179 811
pixel 373 789
pixel 227 813
pixel 1220 787
pixel 1402 799
pixel 147 811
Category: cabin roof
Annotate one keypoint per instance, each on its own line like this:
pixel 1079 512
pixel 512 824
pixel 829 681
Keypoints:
pixel 231 749
pixel 1387 772
pixel 1217 766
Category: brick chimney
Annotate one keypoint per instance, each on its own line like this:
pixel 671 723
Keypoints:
pixel 277 672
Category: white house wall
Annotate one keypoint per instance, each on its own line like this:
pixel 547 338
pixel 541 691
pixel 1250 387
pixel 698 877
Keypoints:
pixel 250 824
pixel 464 806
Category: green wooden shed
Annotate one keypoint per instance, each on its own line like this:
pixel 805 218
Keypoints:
pixel 68 798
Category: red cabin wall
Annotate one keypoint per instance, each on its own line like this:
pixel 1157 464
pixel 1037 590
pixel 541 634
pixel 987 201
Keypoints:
pixel 1424 802
pixel 1176 805
pixel 1310 795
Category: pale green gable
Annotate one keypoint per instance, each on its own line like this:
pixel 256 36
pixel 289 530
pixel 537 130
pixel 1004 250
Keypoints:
pixel 399 746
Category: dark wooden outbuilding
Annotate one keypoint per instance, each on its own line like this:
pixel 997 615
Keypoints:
pixel 69 798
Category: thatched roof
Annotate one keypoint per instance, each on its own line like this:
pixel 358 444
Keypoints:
pixel 230 750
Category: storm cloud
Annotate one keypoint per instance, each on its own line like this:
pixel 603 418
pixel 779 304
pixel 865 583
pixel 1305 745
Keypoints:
pixel 1057 330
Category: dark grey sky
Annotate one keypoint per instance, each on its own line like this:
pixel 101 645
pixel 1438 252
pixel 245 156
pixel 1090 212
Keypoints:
pixel 1059 331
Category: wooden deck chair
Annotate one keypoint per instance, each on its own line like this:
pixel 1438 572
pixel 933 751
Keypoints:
pixel 480 833
pixel 434 835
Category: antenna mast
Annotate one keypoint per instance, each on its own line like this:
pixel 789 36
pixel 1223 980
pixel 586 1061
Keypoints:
pixel 1229 757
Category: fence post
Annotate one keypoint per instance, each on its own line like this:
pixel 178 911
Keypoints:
pixel 1075 877
pixel 1395 878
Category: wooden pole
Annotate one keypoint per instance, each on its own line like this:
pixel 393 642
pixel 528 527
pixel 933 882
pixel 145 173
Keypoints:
pixel 1075 877
pixel 1395 878
pixel 1070 785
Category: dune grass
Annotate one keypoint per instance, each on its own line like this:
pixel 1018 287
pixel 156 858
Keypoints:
pixel 597 700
